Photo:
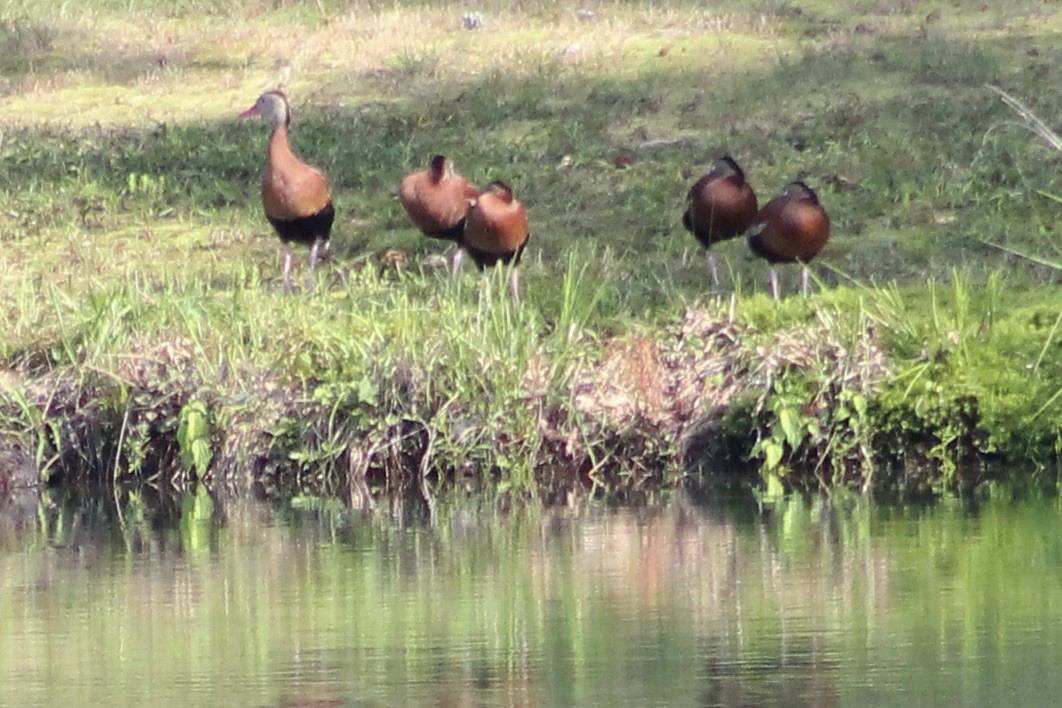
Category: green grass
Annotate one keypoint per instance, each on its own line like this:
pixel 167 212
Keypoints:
pixel 137 275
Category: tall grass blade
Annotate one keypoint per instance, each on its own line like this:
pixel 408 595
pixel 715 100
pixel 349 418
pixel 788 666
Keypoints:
pixel 1039 260
pixel 1031 119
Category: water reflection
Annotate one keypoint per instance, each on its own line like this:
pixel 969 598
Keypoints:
pixel 155 599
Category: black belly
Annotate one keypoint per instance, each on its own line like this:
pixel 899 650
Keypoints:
pixel 762 250
pixel 486 259
pixel 454 233
pixel 306 229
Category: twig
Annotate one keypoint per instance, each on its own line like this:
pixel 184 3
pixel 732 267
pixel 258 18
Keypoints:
pixel 1035 259
pixel 1038 126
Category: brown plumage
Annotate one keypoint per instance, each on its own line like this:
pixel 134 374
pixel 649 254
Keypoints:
pixel 496 227
pixel 496 230
pixel 792 228
pixel 295 196
pixel 437 199
pixel 721 205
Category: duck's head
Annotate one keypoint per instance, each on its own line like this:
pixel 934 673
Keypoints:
pixel 501 190
pixel 273 106
pixel 798 191
pixel 727 166
pixel 441 167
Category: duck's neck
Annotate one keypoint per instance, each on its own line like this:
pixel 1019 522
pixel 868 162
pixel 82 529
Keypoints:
pixel 279 147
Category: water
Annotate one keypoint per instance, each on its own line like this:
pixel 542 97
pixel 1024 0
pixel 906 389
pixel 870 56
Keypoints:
pixel 189 601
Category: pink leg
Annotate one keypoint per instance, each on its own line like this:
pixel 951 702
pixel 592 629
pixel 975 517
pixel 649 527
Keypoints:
pixel 713 269
pixel 287 268
pixel 514 284
pixel 457 261
pixel 314 251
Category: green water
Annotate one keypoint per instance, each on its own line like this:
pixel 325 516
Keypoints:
pixel 191 601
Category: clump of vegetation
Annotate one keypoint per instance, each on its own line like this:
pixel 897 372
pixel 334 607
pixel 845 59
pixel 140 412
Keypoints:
pixel 142 331
pixel 386 392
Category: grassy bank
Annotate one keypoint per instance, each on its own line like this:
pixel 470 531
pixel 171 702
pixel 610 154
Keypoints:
pixel 143 333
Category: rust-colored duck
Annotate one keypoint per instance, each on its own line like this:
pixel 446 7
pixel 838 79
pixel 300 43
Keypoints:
pixel 437 200
pixel 792 228
pixel 496 230
pixel 296 197
pixel 721 205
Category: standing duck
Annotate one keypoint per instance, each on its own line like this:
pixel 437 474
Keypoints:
pixel 437 200
pixel 792 228
pixel 721 205
pixel 496 230
pixel 295 196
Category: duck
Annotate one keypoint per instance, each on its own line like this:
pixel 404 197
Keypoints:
pixel 496 230
pixel 721 205
pixel 296 197
pixel 437 200
pixel 792 228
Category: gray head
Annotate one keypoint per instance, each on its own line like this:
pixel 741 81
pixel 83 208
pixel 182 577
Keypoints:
pixel 798 191
pixel 441 168
pixel 273 106
pixel 726 166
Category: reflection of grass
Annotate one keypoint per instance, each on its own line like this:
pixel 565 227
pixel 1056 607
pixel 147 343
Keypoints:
pixel 474 607
pixel 129 185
